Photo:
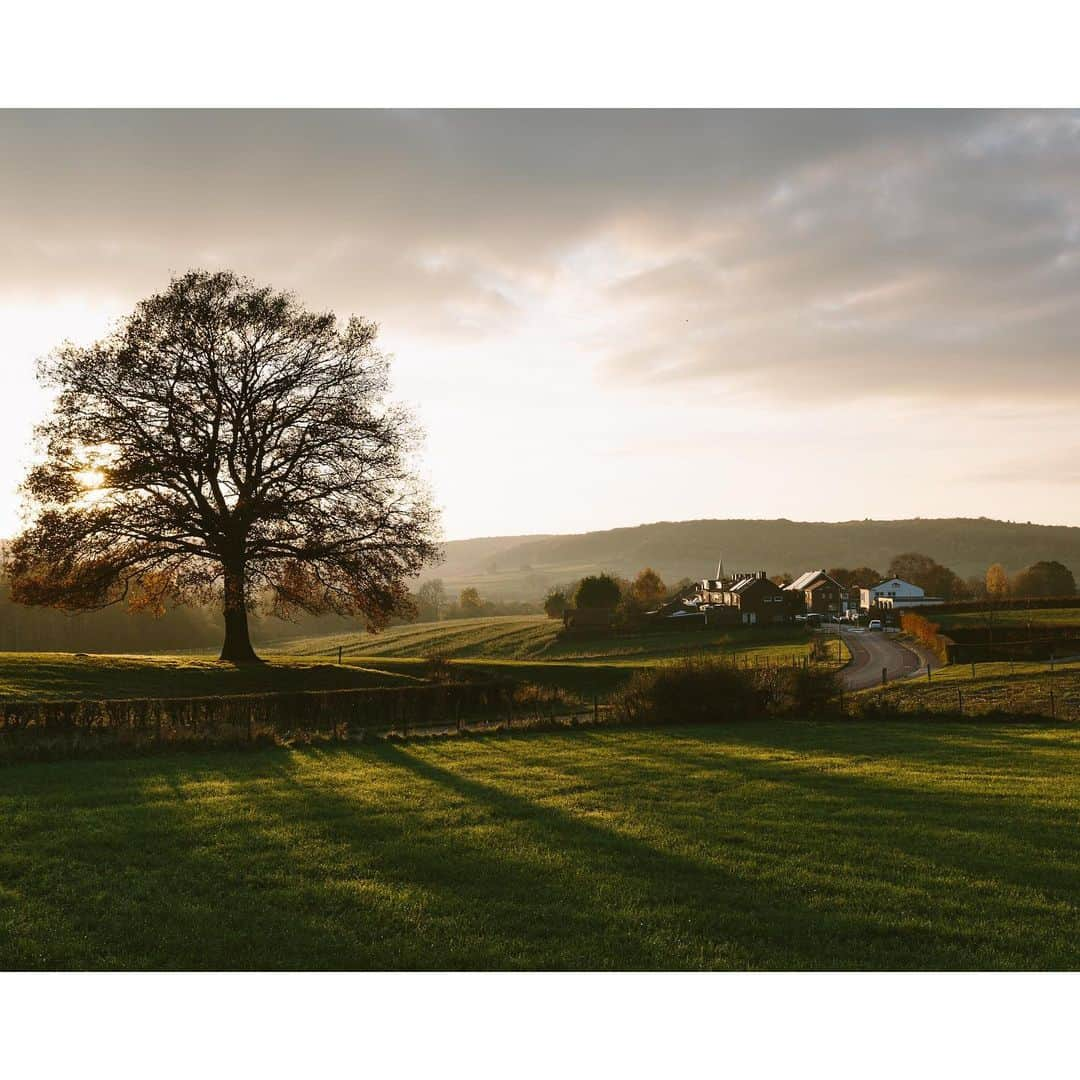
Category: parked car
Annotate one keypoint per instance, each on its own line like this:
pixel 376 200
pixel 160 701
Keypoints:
pixel 875 624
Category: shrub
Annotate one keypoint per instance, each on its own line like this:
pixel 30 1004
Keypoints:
pixel 599 591
pixel 927 632
pixel 555 603
pixel 703 691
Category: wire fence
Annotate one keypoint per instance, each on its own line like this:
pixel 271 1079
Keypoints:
pixel 1051 694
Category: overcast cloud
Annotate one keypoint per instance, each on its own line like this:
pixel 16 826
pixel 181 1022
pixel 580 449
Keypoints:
pixel 600 283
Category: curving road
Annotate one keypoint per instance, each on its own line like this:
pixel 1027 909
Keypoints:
pixel 872 650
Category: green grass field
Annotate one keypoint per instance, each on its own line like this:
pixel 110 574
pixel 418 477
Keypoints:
pixel 535 638
pixel 61 676
pixel 775 845
pixel 525 648
pixel 1038 617
pixel 1020 687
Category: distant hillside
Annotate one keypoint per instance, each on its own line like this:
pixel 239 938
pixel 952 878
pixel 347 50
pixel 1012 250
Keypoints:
pixel 511 568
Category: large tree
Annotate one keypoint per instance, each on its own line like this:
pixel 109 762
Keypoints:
pixel 928 574
pixel 648 588
pixel 1045 579
pixel 224 442
pixel 598 591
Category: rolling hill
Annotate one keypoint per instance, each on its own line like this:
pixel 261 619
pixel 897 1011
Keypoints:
pixel 522 568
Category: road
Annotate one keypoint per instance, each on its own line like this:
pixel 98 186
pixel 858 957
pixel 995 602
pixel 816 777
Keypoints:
pixel 872 650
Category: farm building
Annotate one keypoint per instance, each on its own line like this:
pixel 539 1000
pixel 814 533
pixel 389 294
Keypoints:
pixel 820 593
pixel 896 593
pixel 754 598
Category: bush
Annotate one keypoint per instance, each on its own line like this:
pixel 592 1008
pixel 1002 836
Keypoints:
pixel 599 591
pixel 927 632
pixel 707 691
pixel 555 603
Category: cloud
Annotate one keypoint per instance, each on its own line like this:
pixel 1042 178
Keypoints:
pixel 846 254
pixel 926 266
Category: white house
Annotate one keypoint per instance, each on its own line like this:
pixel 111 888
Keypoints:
pixel 896 593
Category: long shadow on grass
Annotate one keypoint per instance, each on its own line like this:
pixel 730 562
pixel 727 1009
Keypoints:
pixel 1001 837
pixel 630 904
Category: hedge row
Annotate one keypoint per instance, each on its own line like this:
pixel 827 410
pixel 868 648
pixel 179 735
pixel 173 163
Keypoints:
pixel 47 729
pixel 707 691
pixel 927 632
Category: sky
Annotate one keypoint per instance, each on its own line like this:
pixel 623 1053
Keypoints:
pixel 609 318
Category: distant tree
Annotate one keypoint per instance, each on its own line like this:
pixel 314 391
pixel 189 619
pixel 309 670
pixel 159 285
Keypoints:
pixel 224 444
pixel 929 575
pixel 865 577
pixel 682 586
pixel 648 589
pixel 862 577
pixel 555 603
pixel 782 579
pixel 976 586
pixel 997 582
pixel 598 591
pixel 1045 579
pixel 431 600
pixel 470 602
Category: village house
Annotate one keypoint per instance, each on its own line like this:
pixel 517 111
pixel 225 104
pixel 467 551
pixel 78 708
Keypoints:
pixel 748 598
pixel 896 593
pixel 821 595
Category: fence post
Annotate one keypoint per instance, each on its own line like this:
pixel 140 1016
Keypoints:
pixel 959 701
pixel 595 709
pixel 1053 708
pixel 884 675
pixel 928 671
pixel 339 655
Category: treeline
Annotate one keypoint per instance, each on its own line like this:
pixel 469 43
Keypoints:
pixel 433 603
pixel 1045 578
pixel 608 591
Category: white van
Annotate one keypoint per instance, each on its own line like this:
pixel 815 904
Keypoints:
pixel 875 624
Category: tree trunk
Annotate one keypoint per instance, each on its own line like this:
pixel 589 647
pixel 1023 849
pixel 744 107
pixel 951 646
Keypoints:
pixel 237 647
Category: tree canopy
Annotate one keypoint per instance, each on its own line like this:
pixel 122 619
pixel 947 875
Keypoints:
pixel 598 591
pixel 862 577
pixel 928 574
pixel 997 581
pixel 648 588
pixel 225 442
pixel 1045 578
pixel 555 603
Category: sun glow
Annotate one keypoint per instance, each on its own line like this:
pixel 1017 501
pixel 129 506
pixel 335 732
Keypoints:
pixel 90 479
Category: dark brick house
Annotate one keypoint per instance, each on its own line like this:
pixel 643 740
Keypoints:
pixel 820 593
pixel 757 600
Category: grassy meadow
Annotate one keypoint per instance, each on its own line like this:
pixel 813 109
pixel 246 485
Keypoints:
pixel 1000 687
pixel 536 638
pixel 1039 618
pixel 68 676
pixel 764 846
pixel 529 648
pixel 526 648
